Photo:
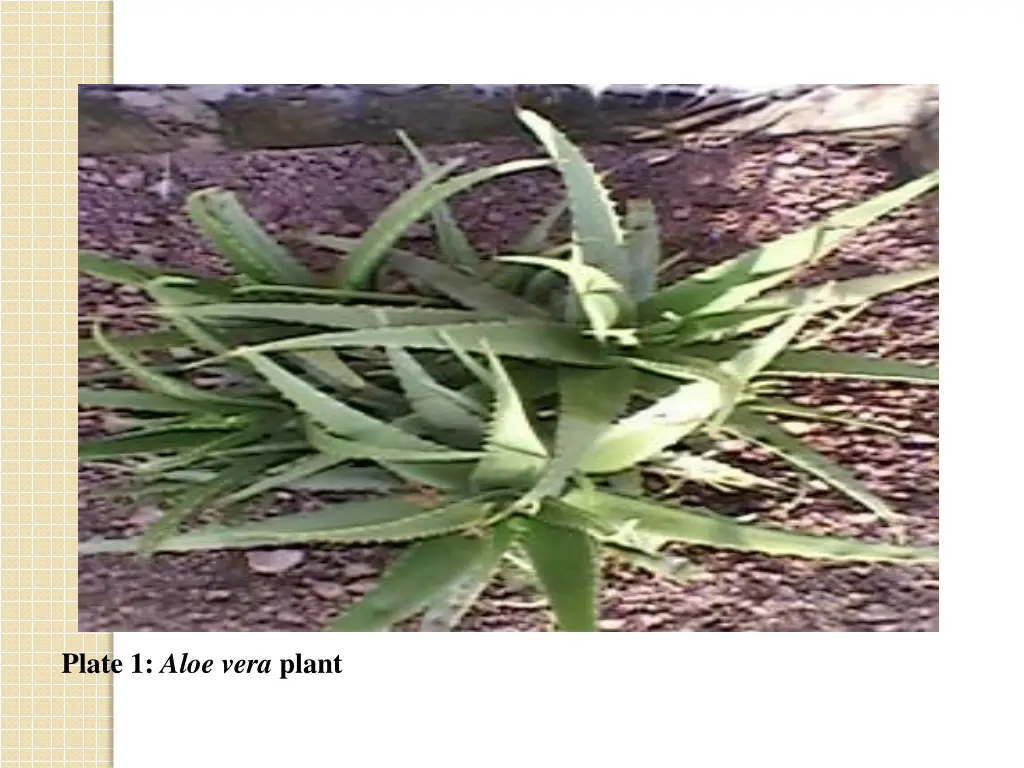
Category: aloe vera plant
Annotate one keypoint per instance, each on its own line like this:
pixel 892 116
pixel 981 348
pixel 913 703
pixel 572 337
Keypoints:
pixel 507 410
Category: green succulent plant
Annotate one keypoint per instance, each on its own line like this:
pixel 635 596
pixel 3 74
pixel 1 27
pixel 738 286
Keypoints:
pixel 505 410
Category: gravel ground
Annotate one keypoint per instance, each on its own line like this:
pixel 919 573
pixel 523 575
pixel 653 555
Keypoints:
pixel 715 199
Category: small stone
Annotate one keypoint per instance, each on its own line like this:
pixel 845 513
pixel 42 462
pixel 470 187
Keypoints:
pixel 273 561
pixel 360 587
pixel 922 439
pixel 357 571
pixel 328 590
pixel 290 617
pixel 217 595
pixel 146 516
pixel 797 428
pixel 88 162
pixel 787 158
pixel 145 249
pixel 611 625
pixel 130 180
pixel 731 446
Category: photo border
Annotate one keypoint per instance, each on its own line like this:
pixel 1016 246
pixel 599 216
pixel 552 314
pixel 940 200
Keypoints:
pixel 48 718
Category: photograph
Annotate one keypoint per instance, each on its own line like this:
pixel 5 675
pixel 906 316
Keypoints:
pixel 508 358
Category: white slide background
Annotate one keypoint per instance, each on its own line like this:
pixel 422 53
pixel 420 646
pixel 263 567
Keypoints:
pixel 499 699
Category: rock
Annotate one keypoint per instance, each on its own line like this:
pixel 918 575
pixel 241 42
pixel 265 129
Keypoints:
pixel 217 595
pixel 356 571
pixel 787 158
pixel 922 439
pixel 797 428
pixel 611 625
pixel 361 587
pixel 328 590
pixel 290 617
pixel 731 446
pixel 269 562
pixel 146 516
pixel 130 180
pixel 88 162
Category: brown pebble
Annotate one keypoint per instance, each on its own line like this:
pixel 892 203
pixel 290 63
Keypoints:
pixel 328 590
pixel 130 179
pixel 268 562
pixel 356 571
pixel 290 617
pixel 361 587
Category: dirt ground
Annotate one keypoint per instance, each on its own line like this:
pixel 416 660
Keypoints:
pixel 714 199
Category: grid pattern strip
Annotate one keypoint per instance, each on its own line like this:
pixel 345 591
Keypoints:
pixel 48 718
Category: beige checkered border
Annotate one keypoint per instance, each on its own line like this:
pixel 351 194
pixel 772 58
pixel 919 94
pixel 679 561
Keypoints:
pixel 48 719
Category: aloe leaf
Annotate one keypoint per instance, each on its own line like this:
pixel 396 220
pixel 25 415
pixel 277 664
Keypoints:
pixel 747 364
pixel 453 243
pixel 733 283
pixel 123 272
pixel 348 450
pixel 601 297
pixel 332 315
pixel 450 605
pixel 849 293
pixel 479 372
pixel 365 259
pixel 335 416
pixel 702 528
pixel 662 565
pixel 131 400
pixel 566 564
pixel 822 364
pixel 174 292
pixel 707 471
pixel 303 474
pixel 354 522
pixel 825 364
pixel 327 367
pixel 442 408
pixel 422 463
pixel 149 442
pixel 174 339
pixel 465 289
pixel 542 287
pixel 255 433
pixel 763 312
pixel 515 277
pixel 539 236
pixel 513 453
pixel 284 476
pixel 201 496
pixel 648 432
pixel 165 385
pixel 596 227
pixel 755 428
pixel 529 339
pixel 589 401
pixel 330 294
pixel 242 241
pixel 412 582
pixel 779 407
pixel 643 248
